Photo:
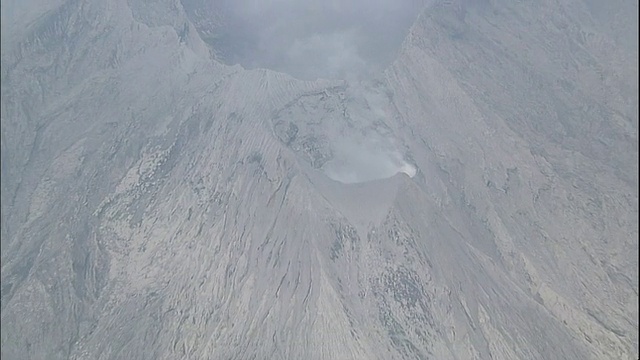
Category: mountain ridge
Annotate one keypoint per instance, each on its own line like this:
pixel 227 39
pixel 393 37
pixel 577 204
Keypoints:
pixel 158 204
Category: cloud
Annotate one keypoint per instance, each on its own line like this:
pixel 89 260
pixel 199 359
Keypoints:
pixel 332 54
pixel 316 38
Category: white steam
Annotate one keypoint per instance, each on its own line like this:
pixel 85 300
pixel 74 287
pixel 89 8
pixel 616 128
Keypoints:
pixel 363 162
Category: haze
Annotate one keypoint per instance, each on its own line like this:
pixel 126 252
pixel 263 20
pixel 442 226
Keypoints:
pixel 314 38
pixel 366 180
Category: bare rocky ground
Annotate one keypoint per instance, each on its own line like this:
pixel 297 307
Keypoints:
pixel 476 199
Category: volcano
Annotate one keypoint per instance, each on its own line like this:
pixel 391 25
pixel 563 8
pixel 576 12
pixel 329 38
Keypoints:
pixel 208 179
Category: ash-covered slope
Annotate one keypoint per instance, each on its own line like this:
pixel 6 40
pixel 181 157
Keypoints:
pixel 476 200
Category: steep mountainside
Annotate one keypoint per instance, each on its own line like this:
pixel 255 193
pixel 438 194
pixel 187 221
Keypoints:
pixel 476 200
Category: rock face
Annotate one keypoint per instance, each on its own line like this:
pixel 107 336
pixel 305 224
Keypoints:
pixel 476 200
